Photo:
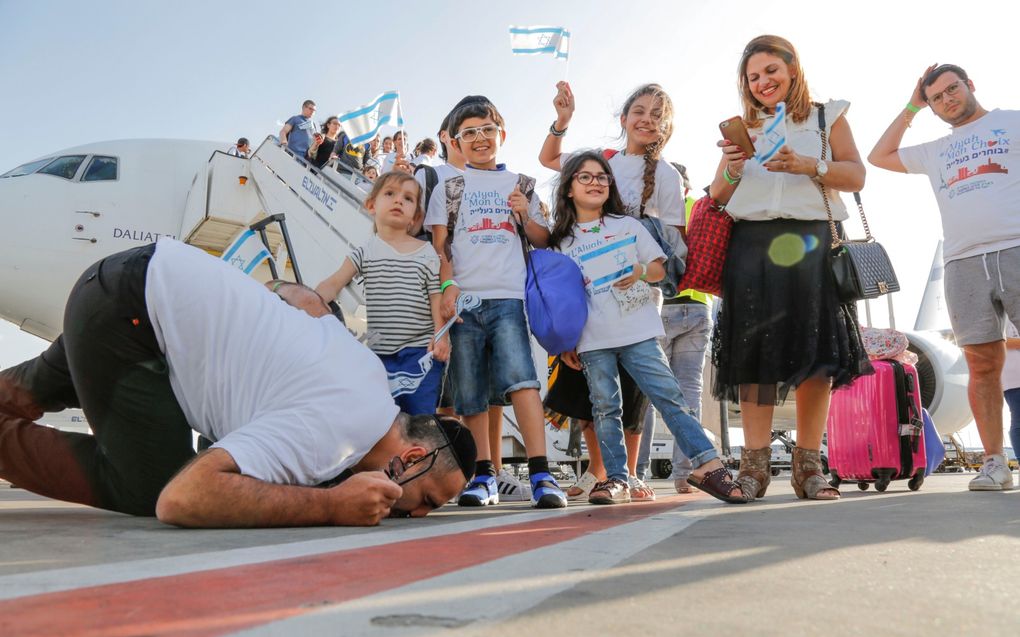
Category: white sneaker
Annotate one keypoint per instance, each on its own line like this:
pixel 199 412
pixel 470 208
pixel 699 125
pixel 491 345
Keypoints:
pixel 994 475
pixel 511 489
pixel 585 483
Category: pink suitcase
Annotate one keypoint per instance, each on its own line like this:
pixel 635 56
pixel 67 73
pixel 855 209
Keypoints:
pixel 875 429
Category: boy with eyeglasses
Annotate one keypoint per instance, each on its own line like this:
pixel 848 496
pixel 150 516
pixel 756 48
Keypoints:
pixel 976 179
pixel 474 220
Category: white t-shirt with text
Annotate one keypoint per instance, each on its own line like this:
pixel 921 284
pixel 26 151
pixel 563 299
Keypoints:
pixel 488 260
pixel 605 251
pixel 976 178
pixel 293 399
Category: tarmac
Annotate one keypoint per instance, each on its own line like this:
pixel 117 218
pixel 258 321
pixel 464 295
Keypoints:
pixel 938 561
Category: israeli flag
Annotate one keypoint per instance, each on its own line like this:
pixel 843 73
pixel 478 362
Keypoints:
pixel 363 123
pixel 539 39
pixel 247 252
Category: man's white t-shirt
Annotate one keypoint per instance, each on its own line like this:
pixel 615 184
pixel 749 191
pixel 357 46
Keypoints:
pixel 488 260
pixel 976 178
pixel 293 399
pixel 598 248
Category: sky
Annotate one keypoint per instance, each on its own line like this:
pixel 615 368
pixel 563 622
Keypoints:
pixel 82 72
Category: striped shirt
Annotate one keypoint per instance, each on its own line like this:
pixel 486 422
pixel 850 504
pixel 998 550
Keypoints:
pixel 397 289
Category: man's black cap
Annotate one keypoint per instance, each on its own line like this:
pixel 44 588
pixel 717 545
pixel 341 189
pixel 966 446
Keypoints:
pixel 461 444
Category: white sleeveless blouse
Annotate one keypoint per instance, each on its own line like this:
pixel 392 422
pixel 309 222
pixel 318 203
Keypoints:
pixel 762 195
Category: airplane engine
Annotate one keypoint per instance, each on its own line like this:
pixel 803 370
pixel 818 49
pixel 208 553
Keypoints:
pixel 942 374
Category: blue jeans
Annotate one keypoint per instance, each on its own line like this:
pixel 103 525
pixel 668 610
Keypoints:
pixel 491 355
pixel 1013 400
pixel 646 363
pixel 424 399
pixel 688 329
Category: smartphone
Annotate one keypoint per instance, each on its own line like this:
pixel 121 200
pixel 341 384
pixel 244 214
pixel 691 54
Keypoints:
pixel 734 130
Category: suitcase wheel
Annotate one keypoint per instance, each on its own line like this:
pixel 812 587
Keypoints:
pixel 835 481
pixel 882 484
pixel 862 485
pixel 916 482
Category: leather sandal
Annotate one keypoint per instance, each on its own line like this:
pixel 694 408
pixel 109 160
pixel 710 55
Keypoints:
pixel 718 484
pixel 755 472
pixel 807 480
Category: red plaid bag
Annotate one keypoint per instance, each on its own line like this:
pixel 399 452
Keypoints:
pixel 708 237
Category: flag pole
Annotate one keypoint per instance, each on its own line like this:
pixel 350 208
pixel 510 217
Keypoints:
pixel 566 71
pixel 400 121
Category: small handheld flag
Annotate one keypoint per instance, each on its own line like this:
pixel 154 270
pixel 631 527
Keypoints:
pixel 246 252
pixel 363 123
pixel 536 40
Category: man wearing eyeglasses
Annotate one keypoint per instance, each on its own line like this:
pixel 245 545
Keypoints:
pixel 976 178
pixel 164 341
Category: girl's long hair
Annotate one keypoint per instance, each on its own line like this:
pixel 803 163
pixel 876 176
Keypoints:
pixel 798 100
pixel 654 150
pixel 397 178
pixel 564 210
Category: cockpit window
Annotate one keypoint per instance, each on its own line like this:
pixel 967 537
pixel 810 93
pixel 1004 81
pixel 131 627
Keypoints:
pixel 101 169
pixel 27 169
pixel 65 166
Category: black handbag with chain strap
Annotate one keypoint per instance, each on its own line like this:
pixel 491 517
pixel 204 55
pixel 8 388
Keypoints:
pixel 860 267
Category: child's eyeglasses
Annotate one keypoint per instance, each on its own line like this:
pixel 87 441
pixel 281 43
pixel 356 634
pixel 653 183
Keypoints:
pixel 602 179
pixel 471 134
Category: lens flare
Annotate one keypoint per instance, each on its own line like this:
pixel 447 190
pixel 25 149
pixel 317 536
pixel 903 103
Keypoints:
pixel 787 249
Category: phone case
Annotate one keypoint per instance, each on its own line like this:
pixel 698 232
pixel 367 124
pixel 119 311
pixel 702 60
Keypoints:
pixel 734 130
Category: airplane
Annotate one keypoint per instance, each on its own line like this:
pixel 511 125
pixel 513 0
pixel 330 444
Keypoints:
pixel 66 210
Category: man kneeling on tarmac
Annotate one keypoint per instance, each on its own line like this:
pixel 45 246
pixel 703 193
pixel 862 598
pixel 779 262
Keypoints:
pixel 163 341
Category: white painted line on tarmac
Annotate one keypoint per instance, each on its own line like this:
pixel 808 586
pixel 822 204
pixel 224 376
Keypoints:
pixel 501 588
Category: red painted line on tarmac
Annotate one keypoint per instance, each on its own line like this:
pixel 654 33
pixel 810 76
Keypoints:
pixel 220 601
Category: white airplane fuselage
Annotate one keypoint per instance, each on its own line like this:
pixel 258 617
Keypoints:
pixel 55 227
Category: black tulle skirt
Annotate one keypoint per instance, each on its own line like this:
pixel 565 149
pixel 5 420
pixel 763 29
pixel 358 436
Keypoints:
pixel 781 322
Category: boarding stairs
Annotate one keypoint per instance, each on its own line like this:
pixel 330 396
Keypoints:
pixel 322 208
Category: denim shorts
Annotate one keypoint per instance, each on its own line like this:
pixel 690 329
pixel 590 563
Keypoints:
pixel 491 355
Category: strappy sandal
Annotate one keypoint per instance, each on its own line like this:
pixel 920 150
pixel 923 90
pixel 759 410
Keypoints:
pixel 755 472
pixel 807 480
pixel 718 484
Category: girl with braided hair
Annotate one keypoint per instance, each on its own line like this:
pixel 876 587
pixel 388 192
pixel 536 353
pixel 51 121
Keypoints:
pixel 648 184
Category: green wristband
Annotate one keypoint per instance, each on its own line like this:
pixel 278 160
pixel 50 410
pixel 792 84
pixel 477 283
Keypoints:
pixel 446 284
pixel 730 179
pixel 913 109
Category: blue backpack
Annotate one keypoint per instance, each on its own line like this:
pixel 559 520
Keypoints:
pixel 555 300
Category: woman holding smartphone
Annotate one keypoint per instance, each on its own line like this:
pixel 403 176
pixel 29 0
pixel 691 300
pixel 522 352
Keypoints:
pixel 782 326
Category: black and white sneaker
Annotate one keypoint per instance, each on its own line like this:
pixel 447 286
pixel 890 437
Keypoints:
pixel 510 488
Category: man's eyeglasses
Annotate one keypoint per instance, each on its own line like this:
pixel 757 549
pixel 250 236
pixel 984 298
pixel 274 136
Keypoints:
pixel 950 90
pixel 469 135
pixel 397 467
pixel 585 178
